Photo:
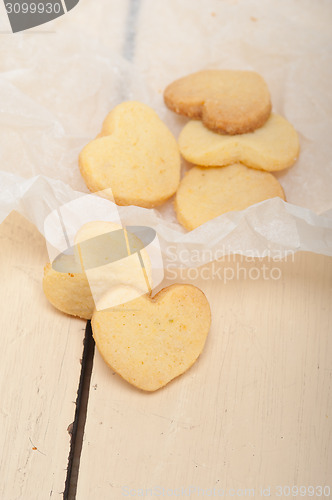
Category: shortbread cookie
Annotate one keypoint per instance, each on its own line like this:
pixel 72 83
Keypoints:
pixel 272 147
pixel 68 292
pixel 206 193
pixel 79 282
pixel 135 155
pixel 150 341
pixel 229 102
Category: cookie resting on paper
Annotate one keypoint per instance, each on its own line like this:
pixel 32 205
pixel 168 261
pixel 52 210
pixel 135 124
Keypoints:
pixel 135 155
pixel 206 193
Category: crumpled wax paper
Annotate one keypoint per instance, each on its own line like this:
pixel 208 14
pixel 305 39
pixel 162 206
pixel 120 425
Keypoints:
pixel 58 82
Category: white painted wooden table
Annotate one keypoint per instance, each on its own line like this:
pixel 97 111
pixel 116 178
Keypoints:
pixel 254 411
pixel 40 370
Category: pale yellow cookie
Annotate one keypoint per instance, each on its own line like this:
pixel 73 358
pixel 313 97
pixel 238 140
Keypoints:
pixel 229 102
pixel 135 155
pixel 77 292
pixel 206 193
pixel 68 292
pixel 150 341
pixel 272 147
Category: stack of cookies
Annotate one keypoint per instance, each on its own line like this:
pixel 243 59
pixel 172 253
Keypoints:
pixel 233 140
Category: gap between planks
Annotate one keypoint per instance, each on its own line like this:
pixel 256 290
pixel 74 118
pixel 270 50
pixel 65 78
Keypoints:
pixel 80 415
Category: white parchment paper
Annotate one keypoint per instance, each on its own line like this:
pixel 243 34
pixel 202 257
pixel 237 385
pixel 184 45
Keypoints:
pixel 58 83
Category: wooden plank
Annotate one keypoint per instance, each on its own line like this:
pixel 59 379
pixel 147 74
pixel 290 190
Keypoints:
pixel 40 369
pixel 253 412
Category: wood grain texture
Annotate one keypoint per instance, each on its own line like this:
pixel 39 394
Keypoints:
pixel 254 411
pixel 40 367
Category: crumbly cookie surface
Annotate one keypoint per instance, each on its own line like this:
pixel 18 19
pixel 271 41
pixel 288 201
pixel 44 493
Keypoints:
pixel 229 102
pixel 135 155
pixel 206 193
pixel 68 292
pixel 148 341
pixel 272 147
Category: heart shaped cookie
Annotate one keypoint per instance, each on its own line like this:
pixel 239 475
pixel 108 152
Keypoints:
pixel 229 102
pixel 150 341
pixel 76 284
pixel 206 193
pixel 272 147
pixel 135 155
